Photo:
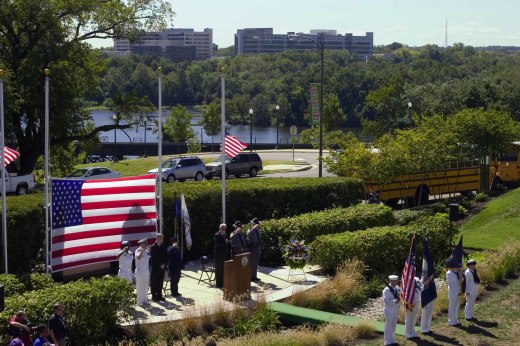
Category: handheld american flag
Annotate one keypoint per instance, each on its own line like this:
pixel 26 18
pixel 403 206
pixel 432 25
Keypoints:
pixel 10 155
pixel 90 218
pixel 408 279
pixel 232 145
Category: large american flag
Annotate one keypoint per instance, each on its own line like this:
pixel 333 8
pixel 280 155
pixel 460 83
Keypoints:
pixel 232 145
pixel 10 155
pixel 408 279
pixel 90 218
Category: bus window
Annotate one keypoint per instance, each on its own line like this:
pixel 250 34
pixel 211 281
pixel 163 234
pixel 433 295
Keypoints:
pixel 508 157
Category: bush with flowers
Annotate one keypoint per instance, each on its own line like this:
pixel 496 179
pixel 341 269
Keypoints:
pixel 296 254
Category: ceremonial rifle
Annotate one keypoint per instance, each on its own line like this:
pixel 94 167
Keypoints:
pixel 393 290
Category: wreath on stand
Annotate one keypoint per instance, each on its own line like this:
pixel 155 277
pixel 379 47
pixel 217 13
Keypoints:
pixel 296 254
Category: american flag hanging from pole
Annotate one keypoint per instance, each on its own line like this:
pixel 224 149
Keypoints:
pixel 10 155
pixel 232 145
pixel 408 279
pixel 90 218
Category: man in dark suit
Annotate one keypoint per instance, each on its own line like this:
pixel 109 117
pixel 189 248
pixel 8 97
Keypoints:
pixel 220 254
pixel 158 264
pixel 174 266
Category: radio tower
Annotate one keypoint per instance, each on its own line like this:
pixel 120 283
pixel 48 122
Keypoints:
pixel 446 35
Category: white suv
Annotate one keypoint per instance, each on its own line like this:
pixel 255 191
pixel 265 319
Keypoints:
pixel 182 168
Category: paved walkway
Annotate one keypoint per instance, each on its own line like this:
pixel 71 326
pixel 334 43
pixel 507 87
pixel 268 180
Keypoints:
pixel 201 299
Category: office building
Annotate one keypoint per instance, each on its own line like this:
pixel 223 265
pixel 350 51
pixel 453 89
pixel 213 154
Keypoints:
pixel 263 40
pixel 175 44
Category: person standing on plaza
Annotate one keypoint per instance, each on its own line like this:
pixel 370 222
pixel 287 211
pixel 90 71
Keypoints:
pixel 158 266
pixel 456 283
pixel 472 281
pixel 58 326
pixel 410 316
pixel 125 257
pixel 238 239
pixel 220 254
pixel 174 266
pixel 254 238
pixel 142 272
pixel 391 300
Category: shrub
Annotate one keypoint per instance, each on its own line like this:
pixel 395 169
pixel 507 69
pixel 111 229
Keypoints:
pixel 500 264
pixel 306 227
pixel 12 284
pixel 337 294
pixel 382 248
pixel 405 216
pixel 93 308
pixel 481 197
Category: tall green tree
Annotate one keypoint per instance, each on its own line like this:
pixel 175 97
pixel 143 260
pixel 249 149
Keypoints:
pixel 333 115
pixel 210 120
pixel 54 34
pixel 178 125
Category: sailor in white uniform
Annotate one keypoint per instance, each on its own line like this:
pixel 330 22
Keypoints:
pixel 472 281
pixel 391 295
pixel 125 257
pixel 142 272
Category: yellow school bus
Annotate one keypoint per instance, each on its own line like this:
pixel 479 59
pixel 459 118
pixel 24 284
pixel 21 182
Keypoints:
pixel 506 168
pixel 416 188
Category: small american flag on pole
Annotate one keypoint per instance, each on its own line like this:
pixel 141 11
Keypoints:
pixel 10 155
pixel 90 218
pixel 232 145
pixel 408 279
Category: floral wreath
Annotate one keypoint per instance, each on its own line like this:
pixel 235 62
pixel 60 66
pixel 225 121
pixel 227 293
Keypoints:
pixel 296 254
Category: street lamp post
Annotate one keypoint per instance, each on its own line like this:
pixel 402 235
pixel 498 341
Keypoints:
pixel 277 108
pixel 114 117
pixel 321 46
pixel 251 129
pixel 145 129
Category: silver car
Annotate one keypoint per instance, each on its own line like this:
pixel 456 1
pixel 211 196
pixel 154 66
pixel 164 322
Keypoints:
pixel 182 168
pixel 90 173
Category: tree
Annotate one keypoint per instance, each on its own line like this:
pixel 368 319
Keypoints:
pixel 333 116
pixel 53 34
pixel 210 121
pixel 178 125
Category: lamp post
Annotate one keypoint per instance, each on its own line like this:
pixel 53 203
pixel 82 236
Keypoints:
pixel 145 129
pixel 320 45
pixel 114 117
pixel 277 109
pixel 251 129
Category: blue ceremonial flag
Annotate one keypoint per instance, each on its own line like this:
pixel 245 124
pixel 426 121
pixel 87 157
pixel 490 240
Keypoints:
pixel 177 207
pixel 455 260
pixel 429 293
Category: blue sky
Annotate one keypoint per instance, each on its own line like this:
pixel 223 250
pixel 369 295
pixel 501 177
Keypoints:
pixel 415 23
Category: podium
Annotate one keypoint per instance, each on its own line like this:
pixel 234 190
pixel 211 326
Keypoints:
pixel 237 277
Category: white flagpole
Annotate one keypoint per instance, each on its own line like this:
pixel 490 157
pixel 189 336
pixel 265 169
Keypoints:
pixel 223 135
pixel 47 175
pixel 2 143
pixel 159 170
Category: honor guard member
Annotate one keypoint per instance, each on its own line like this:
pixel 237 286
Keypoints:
pixel 142 272
pixel 391 295
pixel 125 257
pixel 453 277
pixel 238 239
pixel 220 254
pixel 410 316
pixel 472 281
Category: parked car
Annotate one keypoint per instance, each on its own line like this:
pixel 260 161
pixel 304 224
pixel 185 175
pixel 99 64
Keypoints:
pixel 243 163
pixel 182 168
pixel 19 184
pixel 91 173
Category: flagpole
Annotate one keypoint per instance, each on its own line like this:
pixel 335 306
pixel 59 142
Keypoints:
pixel 47 176
pixel 2 143
pixel 182 228
pixel 222 141
pixel 159 170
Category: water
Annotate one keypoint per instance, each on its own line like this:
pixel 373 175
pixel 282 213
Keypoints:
pixel 242 132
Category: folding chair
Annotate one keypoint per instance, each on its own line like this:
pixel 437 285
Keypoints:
pixel 208 268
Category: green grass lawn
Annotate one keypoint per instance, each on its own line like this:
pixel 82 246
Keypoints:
pixel 495 224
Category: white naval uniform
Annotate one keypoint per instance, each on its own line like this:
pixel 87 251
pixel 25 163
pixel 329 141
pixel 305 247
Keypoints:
pixel 471 293
pixel 453 297
pixel 391 314
pixel 142 275
pixel 125 266
pixel 410 317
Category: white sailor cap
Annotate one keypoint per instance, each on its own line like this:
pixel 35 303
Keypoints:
pixel 143 241
pixel 393 277
pixel 472 262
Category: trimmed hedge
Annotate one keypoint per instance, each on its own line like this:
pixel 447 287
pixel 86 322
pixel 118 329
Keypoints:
pixel 277 233
pixel 245 198
pixel 17 284
pixel 93 309
pixel 382 248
